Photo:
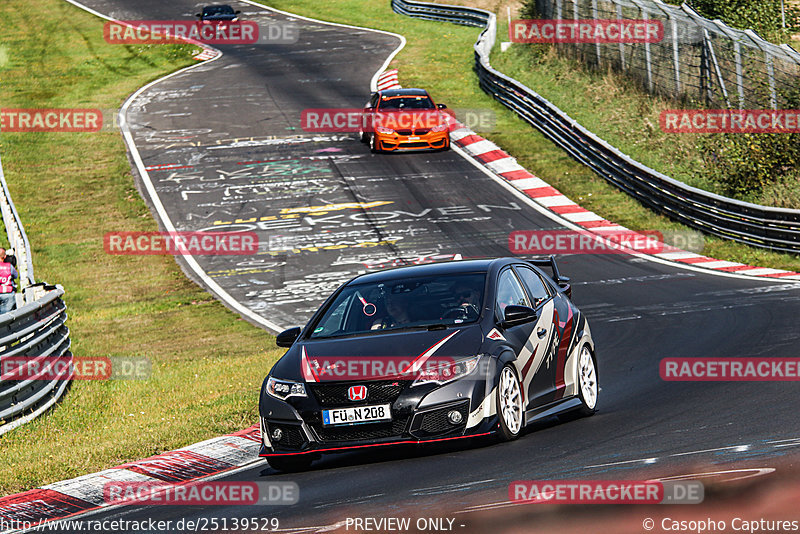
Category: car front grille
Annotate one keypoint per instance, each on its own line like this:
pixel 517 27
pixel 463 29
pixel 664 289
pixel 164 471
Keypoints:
pixel 378 392
pixel 361 432
pixel 418 131
pixel 415 144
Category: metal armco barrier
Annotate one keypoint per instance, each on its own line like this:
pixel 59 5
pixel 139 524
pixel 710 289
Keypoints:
pixel 760 226
pixel 36 330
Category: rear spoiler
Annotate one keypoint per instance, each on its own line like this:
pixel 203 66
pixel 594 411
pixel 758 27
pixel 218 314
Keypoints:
pixel 561 281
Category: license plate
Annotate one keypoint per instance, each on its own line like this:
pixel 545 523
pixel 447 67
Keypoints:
pixel 413 137
pixel 356 414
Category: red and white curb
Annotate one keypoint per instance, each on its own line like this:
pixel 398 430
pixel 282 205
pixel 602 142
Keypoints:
pixel 78 495
pixel 388 80
pixel 207 54
pixel 505 166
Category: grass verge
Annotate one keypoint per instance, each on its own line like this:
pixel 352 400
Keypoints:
pixel 439 57
pixel 71 188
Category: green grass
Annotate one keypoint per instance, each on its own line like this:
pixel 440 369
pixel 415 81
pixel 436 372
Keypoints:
pixel 72 188
pixel 439 57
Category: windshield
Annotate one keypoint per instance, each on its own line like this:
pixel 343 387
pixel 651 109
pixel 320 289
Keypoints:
pixel 210 11
pixel 404 303
pixel 406 102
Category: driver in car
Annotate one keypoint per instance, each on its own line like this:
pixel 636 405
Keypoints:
pixel 468 299
pixel 396 305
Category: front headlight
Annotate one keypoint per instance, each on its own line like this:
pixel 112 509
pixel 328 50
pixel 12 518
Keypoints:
pixel 384 130
pixel 447 372
pixel 439 128
pixel 283 389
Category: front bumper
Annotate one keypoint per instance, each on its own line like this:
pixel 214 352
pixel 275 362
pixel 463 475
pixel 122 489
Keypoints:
pixel 413 421
pixel 397 141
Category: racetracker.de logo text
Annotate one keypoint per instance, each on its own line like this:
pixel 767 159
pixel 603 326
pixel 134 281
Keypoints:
pixel 181 243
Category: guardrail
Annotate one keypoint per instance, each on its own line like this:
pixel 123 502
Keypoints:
pixel 753 224
pixel 35 330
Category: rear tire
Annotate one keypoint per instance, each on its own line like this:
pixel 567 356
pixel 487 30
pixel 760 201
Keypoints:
pixel 510 410
pixel 290 464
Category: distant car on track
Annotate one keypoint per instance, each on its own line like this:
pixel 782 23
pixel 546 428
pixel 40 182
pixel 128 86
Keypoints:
pixel 404 119
pixel 429 353
pixel 216 14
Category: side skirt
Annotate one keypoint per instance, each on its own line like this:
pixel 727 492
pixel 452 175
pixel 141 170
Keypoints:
pixel 551 409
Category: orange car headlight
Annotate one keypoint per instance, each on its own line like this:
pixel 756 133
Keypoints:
pixel 439 128
pixel 383 130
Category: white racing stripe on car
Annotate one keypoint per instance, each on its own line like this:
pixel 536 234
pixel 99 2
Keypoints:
pixel 545 321
pixel 485 409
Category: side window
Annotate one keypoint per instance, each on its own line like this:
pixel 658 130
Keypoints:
pixel 509 291
pixel 534 284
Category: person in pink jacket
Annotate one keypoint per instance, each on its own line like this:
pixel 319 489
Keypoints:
pixel 8 288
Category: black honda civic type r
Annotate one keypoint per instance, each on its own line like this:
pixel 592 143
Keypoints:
pixel 432 352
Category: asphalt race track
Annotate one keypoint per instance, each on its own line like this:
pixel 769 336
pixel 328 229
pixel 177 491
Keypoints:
pixel 222 142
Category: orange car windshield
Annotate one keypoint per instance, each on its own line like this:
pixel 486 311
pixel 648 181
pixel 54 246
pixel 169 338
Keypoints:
pixel 406 102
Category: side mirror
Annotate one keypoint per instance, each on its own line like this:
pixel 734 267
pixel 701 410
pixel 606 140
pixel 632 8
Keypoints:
pixel 441 106
pixel 237 12
pixel 287 337
pixel 517 315
pixel 198 15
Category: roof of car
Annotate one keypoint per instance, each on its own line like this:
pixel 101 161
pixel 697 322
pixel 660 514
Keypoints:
pixel 429 269
pixel 403 92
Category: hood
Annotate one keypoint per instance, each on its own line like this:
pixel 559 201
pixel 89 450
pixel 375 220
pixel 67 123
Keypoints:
pixel 376 356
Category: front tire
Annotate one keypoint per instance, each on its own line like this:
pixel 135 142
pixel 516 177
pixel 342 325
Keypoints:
pixel 510 410
pixel 373 144
pixel 290 464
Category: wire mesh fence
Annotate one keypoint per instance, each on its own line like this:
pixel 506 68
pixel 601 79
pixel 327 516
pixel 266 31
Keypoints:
pixel 697 60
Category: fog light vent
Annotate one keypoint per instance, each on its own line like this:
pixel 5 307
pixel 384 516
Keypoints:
pixel 454 416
